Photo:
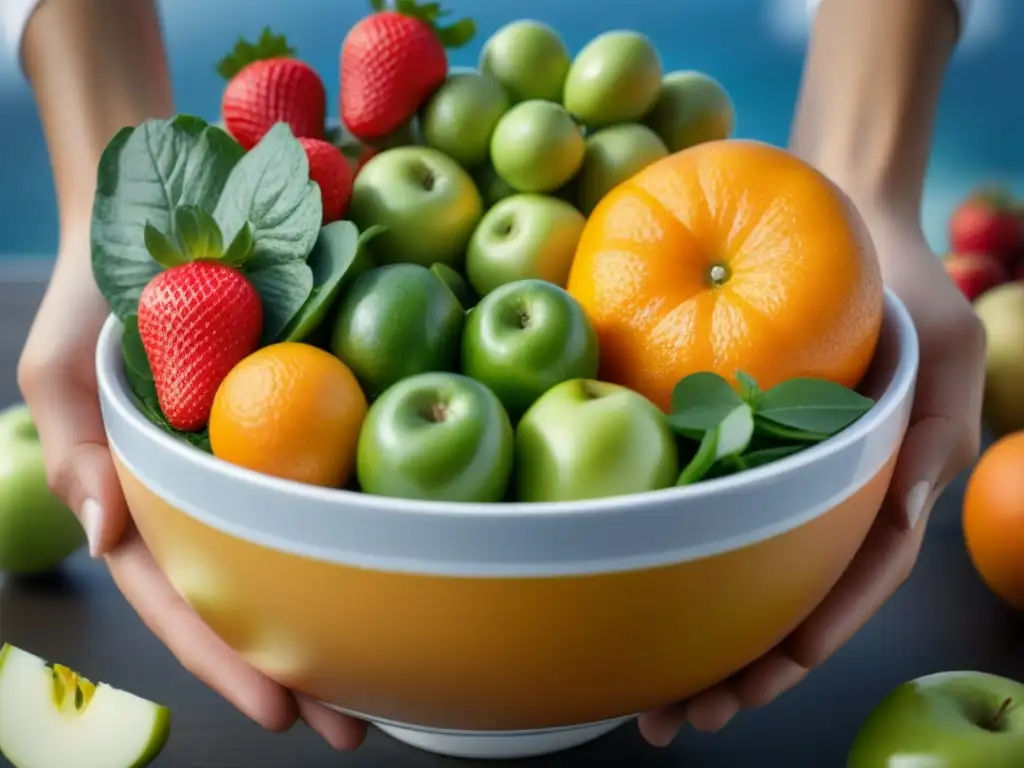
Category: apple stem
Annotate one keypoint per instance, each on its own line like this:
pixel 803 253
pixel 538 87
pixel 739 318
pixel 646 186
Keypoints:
pixel 997 719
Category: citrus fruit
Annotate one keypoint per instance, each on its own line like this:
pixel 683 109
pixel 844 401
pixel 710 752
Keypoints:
pixel 993 518
pixel 729 256
pixel 292 411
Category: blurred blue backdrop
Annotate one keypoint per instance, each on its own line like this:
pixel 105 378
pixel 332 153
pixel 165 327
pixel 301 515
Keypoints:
pixel 755 47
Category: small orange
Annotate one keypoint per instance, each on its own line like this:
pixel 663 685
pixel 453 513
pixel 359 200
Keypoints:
pixel 993 518
pixel 292 411
pixel 730 255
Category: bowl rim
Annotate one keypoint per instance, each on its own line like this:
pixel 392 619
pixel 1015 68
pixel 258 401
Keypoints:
pixel 112 383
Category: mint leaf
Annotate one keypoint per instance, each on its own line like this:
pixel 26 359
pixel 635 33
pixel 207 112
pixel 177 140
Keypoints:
pixel 330 261
pixel 727 439
pixel 779 432
pixel 813 405
pixel 749 390
pixel 270 189
pixel 700 402
pixel 283 289
pixel 143 175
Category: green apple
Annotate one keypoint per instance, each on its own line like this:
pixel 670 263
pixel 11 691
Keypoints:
pixel 586 439
pixel 492 187
pixel 524 236
pixel 614 155
pixel 426 202
pixel 691 108
pixel 945 720
pixel 529 59
pixel 1001 311
pixel 457 284
pixel 37 531
pixel 524 338
pixel 50 717
pixel 537 147
pixel 396 321
pixel 436 437
pixel 460 118
pixel 614 79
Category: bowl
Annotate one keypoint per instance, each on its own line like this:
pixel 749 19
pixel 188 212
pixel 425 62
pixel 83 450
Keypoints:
pixel 508 630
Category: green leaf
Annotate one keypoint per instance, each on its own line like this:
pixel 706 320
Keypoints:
pixel 270 189
pixel 135 358
pixel 198 233
pixel 240 249
pixel 749 390
pixel 457 284
pixel 162 248
pixel 813 405
pixel 458 34
pixel 779 432
pixel 267 46
pixel 378 5
pixel 144 174
pixel 283 289
pixel 700 402
pixel 332 256
pixel 767 455
pixel 727 439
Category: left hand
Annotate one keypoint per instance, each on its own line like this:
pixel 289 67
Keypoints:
pixel 942 439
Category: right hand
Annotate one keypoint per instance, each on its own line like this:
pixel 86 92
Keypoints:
pixel 57 377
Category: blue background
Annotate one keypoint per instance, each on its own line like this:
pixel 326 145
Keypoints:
pixel 754 47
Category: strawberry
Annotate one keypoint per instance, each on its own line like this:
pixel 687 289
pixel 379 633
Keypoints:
pixel 331 170
pixel 986 223
pixel 266 85
pixel 392 62
pixel 199 317
pixel 975 273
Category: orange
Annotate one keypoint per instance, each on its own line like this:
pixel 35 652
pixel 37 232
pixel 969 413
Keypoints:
pixel 993 518
pixel 731 255
pixel 292 411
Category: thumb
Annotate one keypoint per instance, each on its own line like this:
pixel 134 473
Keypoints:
pixel 67 415
pixel 929 459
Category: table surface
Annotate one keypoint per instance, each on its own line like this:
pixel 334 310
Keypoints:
pixel 942 619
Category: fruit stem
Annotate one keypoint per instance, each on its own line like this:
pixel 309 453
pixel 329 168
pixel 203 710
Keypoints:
pixel 1000 715
pixel 719 275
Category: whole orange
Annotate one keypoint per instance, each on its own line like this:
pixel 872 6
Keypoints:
pixel 993 518
pixel 292 411
pixel 730 255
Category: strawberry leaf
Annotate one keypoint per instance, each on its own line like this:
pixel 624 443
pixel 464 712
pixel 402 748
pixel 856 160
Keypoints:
pixel 458 34
pixel 452 36
pixel 198 234
pixel 283 289
pixel 267 46
pixel 163 250
pixel 240 249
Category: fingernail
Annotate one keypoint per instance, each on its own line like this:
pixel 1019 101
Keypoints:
pixel 915 502
pixel 90 514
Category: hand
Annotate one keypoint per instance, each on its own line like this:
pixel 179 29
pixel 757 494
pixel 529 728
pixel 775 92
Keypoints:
pixel 942 439
pixel 57 377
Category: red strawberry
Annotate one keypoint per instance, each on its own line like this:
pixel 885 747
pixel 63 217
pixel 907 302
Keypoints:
pixel 196 322
pixel 330 169
pixel 267 86
pixel 975 273
pixel 392 62
pixel 986 223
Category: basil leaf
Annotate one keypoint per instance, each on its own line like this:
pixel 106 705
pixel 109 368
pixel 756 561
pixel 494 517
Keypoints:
pixel 813 405
pixel 144 174
pixel 778 432
pixel 749 391
pixel 729 438
pixel 330 261
pixel 700 402
pixel 283 289
pixel 270 189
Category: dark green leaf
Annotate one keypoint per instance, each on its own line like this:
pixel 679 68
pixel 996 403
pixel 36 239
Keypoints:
pixel 162 248
pixel 198 233
pixel 283 289
pixel 700 402
pixel 270 188
pixel 729 438
pixel 144 174
pixel 457 284
pixel 267 46
pixel 240 249
pixel 703 460
pixel 135 358
pixel 458 34
pixel 779 432
pixel 378 5
pixel 332 256
pixel 749 390
pixel 813 405
pixel 768 455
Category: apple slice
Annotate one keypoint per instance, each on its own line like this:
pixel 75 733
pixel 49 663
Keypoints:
pixel 50 717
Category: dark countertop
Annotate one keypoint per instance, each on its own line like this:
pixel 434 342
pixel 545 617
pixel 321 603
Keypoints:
pixel 942 619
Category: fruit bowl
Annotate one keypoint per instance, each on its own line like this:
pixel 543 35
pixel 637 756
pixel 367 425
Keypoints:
pixel 498 630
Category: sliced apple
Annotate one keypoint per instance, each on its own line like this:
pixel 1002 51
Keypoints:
pixel 51 717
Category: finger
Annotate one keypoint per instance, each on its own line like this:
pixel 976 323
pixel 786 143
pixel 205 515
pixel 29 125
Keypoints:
pixel 342 732
pixel 193 643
